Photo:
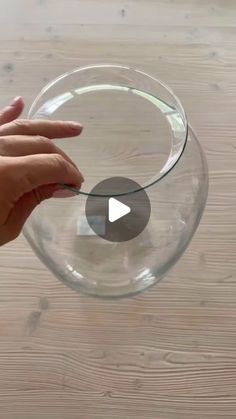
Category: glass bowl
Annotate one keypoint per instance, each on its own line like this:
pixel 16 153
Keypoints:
pixel 134 128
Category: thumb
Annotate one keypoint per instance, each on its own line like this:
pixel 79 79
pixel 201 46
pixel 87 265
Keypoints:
pixel 25 206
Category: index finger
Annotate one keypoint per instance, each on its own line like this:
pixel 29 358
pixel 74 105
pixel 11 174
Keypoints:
pixel 12 111
pixel 49 129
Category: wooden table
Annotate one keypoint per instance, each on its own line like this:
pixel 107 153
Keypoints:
pixel 169 353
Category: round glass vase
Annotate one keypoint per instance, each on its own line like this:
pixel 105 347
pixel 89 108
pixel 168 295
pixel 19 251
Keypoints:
pixel 134 127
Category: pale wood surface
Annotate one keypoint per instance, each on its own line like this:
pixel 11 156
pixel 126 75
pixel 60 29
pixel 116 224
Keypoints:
pixel 171 352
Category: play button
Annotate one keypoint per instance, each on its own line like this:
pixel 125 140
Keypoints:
pixel 117 210
pixel 114 215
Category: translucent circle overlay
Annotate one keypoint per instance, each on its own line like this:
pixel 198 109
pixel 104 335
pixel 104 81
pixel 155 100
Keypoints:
pixel 123 227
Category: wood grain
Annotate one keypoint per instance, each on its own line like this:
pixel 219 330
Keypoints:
pixel 169 353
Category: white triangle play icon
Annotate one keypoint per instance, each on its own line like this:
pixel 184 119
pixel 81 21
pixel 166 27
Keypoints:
pixel 117 210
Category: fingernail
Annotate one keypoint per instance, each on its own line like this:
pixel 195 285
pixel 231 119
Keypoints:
pixel 63 193
pixel 82 178
pixel 17 99
pixel 76 126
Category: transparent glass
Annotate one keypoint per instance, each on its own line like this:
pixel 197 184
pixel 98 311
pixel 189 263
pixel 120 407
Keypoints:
pixel 134 127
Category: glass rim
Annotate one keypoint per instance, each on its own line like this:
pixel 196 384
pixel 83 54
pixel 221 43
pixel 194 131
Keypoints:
pixel 169 168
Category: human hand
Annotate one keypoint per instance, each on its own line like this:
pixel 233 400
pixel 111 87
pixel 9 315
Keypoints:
pixel 31 166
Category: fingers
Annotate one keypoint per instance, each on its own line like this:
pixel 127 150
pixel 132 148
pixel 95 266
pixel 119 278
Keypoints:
pixel 12 111
pixel 38 170
pixel 54 167
pixel 20 145
pixel 49 129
